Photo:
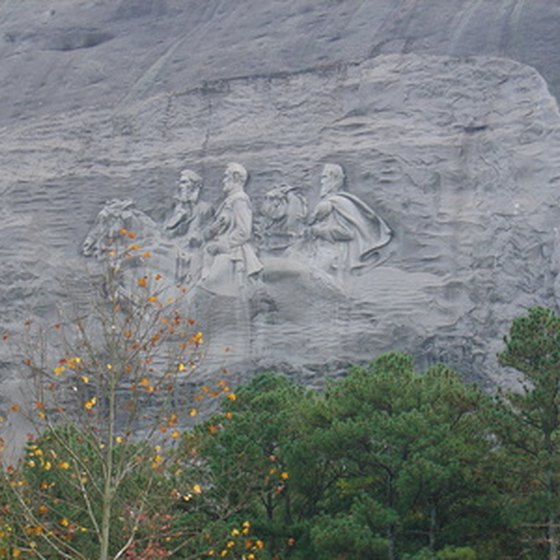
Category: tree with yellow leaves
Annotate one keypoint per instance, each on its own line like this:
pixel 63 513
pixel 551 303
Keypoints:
pixel 107 414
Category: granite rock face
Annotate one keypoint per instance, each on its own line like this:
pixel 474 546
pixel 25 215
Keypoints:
pixel 457 156
pixel 70 54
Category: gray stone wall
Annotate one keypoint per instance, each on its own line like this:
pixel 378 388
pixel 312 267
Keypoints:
pixel 457 156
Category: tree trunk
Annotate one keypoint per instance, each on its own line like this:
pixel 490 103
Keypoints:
pixel 391 529
pixel 552 537
pixel 433 525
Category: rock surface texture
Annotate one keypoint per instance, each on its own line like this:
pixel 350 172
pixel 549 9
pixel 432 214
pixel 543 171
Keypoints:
pixel 441 113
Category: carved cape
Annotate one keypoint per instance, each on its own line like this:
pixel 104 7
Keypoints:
pixel 352 223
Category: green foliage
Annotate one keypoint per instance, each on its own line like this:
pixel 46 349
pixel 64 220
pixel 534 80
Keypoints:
pixel 345 537
pixel 528 425
pixel 247 451
pixel 456 553
pixel 387 464
pixel 387 461
pixel 408 442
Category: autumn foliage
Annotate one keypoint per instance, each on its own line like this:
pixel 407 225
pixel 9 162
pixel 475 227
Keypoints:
pixel 100 476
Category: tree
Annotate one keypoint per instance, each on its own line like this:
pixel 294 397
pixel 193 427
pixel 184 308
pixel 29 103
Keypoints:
pixel 528 423
pixel 408 447
pixel 104 406
pixel 388 461
pixel 246 455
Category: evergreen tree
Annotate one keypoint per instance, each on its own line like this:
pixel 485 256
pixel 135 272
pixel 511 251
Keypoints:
pixel 529 425
pixel 410 448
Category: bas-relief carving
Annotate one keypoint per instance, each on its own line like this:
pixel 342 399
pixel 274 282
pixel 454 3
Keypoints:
pixel 114 216
pixel 229 259
pixel 301 260
pixel 284 212
pixel 186 224
pixel 215 251
pixel 105 236
pixel 347 233
pixel 190 215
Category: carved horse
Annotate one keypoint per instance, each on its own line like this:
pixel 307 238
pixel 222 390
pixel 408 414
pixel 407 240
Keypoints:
pixel 116 223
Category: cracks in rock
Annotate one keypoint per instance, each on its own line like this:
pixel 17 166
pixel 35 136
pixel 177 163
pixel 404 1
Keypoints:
pixel 149 76
pixel 207 132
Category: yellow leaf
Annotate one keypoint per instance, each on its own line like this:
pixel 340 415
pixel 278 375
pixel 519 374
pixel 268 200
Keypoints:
pixel 59 370
pixel 197 489
pixel 89 404
pixel 73 362
pixel 64 522
pixel 193 412
pixel 232 397
pixel 142 282
pixel 84 378
pixel 181 367
pixel 65 465
pixel 197 338
pixel 284 475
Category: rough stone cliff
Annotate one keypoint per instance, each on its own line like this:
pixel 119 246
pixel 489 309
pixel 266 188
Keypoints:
pixel 442 115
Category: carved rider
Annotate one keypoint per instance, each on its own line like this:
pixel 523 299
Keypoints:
pixel 346 224
pixel 229 258
pixel 284 210
pixel 190 215
pixel 186 223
